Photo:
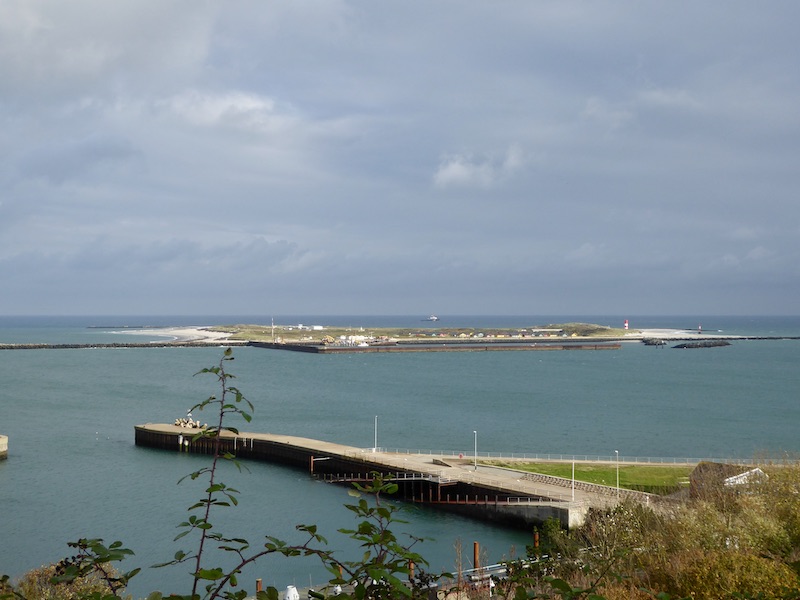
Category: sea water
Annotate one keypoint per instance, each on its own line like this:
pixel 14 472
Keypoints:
pixel 73 470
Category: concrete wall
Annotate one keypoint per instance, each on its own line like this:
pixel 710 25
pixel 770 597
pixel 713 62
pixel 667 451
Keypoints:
pixel 522 515
pixel 454 498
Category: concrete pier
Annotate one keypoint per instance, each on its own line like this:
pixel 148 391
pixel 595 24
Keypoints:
pixel 444 482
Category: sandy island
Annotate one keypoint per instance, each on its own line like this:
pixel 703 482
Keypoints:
pixel 207 335
pixel 182 334
pixel 674 334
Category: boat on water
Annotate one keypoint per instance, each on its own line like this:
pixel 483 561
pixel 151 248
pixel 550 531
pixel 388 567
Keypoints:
pixel 431 318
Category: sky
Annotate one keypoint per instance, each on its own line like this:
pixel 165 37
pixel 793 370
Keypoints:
pixel 517 157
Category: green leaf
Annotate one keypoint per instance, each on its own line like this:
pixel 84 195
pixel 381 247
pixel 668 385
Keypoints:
pixel 271 593
pixel 560 585
pixel 520 594
pixel 210 574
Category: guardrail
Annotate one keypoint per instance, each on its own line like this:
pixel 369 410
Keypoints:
pixel 533 457
pixel 521 485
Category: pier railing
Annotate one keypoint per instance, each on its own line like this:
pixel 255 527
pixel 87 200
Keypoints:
pixel 532 496
pixel 547 457
pixel 475 478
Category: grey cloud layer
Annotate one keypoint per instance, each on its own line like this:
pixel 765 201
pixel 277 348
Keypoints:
pixel 346 157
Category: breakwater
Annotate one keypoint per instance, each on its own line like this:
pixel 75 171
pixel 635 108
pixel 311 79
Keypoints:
pixel 401 346
pixel 454 346
pixel 444 483
pixel 168 344
pixel 323 348
pixel 3 447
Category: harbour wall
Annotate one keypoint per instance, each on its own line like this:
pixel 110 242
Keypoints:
pixel 406 346
pixel 168 344
pixel 347 465
pixel 450 346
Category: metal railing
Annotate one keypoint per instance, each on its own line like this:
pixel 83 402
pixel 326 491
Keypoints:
pixel 553 457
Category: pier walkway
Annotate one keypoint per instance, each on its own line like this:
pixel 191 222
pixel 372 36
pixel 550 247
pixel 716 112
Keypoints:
pixel 446 482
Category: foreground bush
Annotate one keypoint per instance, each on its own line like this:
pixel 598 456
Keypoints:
pixel 724 543
pixel 723 574
pixel 39 584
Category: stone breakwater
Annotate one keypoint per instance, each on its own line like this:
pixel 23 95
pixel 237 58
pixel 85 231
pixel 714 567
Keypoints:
pixel 3 447
pixel 448 346
pixel 170 344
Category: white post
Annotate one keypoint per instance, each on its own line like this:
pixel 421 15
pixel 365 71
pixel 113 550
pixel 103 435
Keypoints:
pixel 617 453
pixel 573 481
pixel 475 433
pixel 375 446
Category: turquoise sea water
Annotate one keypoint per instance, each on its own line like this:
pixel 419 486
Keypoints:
pixel 73 470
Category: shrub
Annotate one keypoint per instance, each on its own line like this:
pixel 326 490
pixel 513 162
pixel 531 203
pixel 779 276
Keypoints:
pixel 38 584
pixel 724 574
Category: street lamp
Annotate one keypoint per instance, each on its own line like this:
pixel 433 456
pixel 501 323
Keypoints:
pixel 617 454
pixel 573 480
pixel 375 444
pixel 475 433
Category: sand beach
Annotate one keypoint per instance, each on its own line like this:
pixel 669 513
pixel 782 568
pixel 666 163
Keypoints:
pixel 182 334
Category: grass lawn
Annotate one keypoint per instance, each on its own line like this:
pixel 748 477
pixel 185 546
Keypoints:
pixel 647 478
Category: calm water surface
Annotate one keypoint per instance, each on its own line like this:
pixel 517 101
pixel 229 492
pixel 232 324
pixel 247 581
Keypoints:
pixel 73 470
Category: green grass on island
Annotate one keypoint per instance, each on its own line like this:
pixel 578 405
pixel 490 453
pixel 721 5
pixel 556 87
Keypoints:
pixel 317 333
pixel 655 479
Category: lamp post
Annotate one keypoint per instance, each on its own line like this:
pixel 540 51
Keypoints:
pixel 375 444
pixel 616 452
pixel 475 433
pixel 573 480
